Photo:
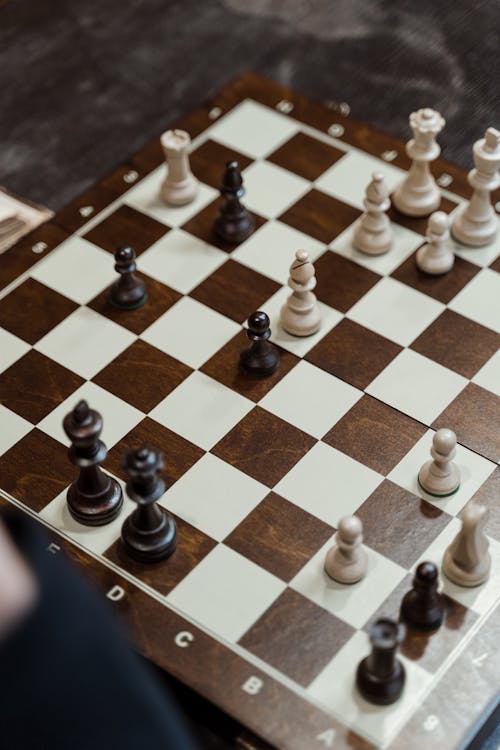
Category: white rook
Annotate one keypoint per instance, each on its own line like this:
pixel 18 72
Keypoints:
pixel 180 185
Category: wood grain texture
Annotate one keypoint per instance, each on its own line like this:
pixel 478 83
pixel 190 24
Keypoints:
pixel 443 287
pixel 126 227
pixel 20 257
pixel 202 226
pixel 341 282
pixel 320 216
pixel 306 156
pixel 208 160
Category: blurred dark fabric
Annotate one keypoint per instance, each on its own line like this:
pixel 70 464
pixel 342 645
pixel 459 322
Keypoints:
pixel 86 84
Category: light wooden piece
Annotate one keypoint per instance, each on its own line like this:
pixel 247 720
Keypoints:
pixel 436 256
pixel 347 561
pixel 418 194
pixel 441 476
pixel 373 233
pixel 477 224
pixel 467 560
pixel 301 314
pixel 180 185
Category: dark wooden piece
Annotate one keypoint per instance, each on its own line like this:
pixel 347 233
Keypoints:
pixel 380 676
pixel 423 607
pixel 95 498
pixel 261 358
pixel 234 223
pixel 129 292
pixel 149 534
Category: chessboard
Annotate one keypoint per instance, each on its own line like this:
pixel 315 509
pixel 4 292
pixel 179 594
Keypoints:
pixel 259 471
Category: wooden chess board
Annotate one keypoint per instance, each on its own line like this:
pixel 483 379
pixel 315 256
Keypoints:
pixel 260 471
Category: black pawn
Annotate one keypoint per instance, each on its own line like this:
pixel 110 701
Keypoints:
pixel 95 498
pixel 380 676
pixel 423 607
pixel 149 534
pixel 234 223
pixel 128 292
pixel 261 358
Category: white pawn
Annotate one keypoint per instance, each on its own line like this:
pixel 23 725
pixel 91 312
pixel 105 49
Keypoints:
pixel 347 561
pixel 180 185
pixel 441 476
pixel 467 560
pixel 418 194
pixel 436 256
pixel 301 315
pixel 373 234
pixel 477 223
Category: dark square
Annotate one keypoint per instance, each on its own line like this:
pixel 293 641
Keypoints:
pixel 179 454
pixel 341 283
pixel 488 495
pixel 208 162
pixel 36 469
pixel 31 310
pixel 457 343
pixel 279 536
pixel 353 353
pixel 142 375
pixel 160 299
pixel 442 287
pixel 235 290
pixel 415 223
pixel 375 434
pixel 320 216
pixel 306 156
pixel 495 266
pixel 473 416
pixel 297 637
pixel 126 226
pixel 263 446
pixel 202 226
pixel 34 385
pixel 429 649
pixel 192 546
pixel 398 524
pixel 224 367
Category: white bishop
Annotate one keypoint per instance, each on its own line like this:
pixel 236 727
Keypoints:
pixel 301 315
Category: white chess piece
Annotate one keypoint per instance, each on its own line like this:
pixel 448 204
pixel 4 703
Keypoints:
pixel 180 186
pixel 467 560
pixel 477 223
pixel 441 476
pixel 436 256
pixel 418 194
pixel 373 234
pixel 301 315
pixel 347 560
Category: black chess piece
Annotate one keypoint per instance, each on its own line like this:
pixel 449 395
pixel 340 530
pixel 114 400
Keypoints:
pixel 95 498
pixel 380 676
pixel 234 222
pixel 261 358
pixel 423 607
pixel 149 534
pixel 129 292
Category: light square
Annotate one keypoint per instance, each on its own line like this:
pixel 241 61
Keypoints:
pixel 85 342
pixel 404 243
pixel 118 416
pixel 311 399
pixel 94 538
pixel 335 688
pixel 489 375
pixel 329 484
pixel 202 410
pixel 480 299
pixel 354 604
pixel 190 331
pixel 12 348
pixel 214 496
pixel 253 129
pixel 145 197
pixel 180 260
pixel 349 177
pixel 395 310
pixel 13 429
pixel 78 269
pixel 474 471
pixel 270 190
pixel 417 386
pixel 226 593
pixel 271 250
